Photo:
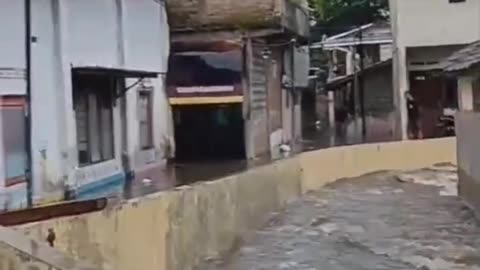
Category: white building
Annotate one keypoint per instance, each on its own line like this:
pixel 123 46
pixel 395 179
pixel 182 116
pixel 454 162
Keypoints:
pixel 425 32
pixel 99 109
pixel 464 65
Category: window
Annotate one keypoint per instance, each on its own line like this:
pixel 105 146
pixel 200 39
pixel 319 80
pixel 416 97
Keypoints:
pixel 93 104
pixel 145 119
pixel 12 112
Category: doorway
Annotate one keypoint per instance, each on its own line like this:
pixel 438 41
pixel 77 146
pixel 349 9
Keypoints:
pixel 433 94
pixel 209 132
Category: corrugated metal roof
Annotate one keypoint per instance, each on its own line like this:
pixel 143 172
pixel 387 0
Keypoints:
pixel 463 59
pixel 377 33
pixel 344 79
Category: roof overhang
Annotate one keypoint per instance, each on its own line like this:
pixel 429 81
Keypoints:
pixel 115 72
pixel 331 44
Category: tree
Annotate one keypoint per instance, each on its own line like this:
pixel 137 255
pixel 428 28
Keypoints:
pixel 335 16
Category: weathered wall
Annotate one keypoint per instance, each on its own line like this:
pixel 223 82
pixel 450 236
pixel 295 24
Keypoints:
pixel 175 230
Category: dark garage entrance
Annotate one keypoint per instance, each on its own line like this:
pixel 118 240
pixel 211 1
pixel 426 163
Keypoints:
pixel 209 132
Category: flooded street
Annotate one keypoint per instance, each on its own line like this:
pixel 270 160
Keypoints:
pixel 179 174
pixel 380 221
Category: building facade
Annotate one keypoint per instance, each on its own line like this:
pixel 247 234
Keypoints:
pixel 425 32
pixel 360 78
pixel 99 109
pixel 230 82
pixel 463 65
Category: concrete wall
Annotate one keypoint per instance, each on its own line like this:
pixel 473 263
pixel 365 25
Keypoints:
pixel 325 166
pixel 18 252
pixel 176 230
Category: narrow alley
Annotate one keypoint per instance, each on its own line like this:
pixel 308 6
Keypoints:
pixel 376 221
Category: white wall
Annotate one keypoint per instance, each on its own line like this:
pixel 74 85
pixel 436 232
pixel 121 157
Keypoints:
pixel 436 22
pixel 12 47
pixel 130 34
pixel 92 32
pixel 47 125
pixel 145 29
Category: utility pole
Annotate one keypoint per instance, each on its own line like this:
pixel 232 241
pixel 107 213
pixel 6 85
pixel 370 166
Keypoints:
pixel 293 93
pixel 362 86
pixel 28 107
pixel 359 87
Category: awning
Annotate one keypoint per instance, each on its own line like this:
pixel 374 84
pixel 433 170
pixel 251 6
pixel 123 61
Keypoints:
pixel 116 72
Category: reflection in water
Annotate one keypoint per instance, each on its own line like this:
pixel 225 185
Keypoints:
pixel 179 174
pixel 176 174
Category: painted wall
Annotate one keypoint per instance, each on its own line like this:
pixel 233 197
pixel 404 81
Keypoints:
pixel 133 35
pixel 176 230
pixel 435 23
pixel 12 52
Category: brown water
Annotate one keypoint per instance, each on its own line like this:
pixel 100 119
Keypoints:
pixel 179 174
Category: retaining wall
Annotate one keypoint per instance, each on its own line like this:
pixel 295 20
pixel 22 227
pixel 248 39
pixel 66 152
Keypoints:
pixel 176 230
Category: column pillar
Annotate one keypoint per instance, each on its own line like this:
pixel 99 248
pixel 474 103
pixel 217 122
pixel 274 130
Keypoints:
pixel 465 93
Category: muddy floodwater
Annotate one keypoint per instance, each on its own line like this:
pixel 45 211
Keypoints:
pixel 179 174
pixel 382 221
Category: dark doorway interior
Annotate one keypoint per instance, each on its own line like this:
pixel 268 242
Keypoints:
pixel 433 94
pixel 209 132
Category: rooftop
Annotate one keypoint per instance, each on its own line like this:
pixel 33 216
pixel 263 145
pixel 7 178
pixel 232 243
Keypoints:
pixel 463 59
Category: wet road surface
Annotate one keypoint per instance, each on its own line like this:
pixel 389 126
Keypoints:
pixel 375 222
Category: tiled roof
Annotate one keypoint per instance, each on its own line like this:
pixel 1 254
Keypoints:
pixel 463 59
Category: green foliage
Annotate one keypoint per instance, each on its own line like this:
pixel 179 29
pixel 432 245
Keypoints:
pixel 337 15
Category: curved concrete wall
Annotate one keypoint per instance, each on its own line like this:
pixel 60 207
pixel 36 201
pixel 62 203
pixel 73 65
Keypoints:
pixel 325 166
pixel 176 230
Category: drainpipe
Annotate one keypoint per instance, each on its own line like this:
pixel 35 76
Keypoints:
pixel 362 87
pixel 28 109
